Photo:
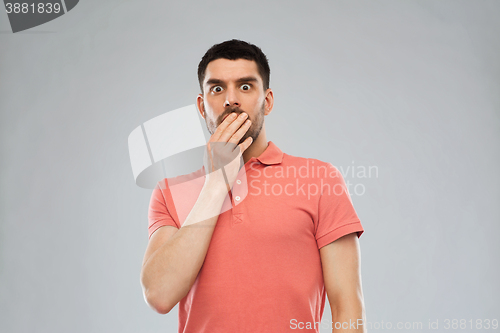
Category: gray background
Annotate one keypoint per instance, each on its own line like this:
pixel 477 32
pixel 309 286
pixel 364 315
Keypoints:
pixel 411 87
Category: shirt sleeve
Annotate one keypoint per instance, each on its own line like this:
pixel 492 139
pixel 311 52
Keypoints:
pixel 336 214
pixel 159 214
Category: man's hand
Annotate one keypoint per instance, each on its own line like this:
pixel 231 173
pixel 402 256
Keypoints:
pixel 223 151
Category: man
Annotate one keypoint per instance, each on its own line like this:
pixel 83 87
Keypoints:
pixel 291 232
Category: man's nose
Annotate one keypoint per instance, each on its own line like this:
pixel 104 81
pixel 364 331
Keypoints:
pixel 231 98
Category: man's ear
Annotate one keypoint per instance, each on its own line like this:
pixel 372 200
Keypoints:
pixel 269 102
pixel 200 105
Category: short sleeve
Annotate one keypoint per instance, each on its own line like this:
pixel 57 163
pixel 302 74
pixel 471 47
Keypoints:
pixel 158 214
pixel 336 215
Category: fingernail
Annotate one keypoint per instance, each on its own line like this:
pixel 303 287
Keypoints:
pixel 243 115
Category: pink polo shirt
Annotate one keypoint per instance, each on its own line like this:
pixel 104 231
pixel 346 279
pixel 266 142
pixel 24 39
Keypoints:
pixel 262 272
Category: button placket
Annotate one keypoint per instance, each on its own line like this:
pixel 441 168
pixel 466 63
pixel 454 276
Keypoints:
pixel 239 193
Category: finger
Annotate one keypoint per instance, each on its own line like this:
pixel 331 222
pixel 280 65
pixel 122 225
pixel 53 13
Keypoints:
pixel 222 127
pixel 240 132
pixel 245 144
pixel 232 128
pixel 209 158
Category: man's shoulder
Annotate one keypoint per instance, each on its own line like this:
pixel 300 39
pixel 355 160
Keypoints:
pixel 292 159
pixel 312 167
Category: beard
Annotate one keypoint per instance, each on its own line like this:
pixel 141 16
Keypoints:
pixel 252 132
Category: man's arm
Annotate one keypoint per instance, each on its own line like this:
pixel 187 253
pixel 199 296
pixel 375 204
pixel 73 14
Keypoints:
pixel 174 257
pixel 342 276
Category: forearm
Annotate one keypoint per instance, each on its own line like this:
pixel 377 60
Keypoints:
pixel 169 273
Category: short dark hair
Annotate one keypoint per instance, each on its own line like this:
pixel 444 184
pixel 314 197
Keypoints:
pixel 235 49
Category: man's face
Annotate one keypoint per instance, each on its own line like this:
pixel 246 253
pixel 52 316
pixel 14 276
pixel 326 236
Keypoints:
pixel 233 86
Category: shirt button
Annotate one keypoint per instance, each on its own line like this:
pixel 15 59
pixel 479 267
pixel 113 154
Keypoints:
pixel 238 181
pixel 237 198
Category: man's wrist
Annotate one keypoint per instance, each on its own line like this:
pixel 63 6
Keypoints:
pixel 215 182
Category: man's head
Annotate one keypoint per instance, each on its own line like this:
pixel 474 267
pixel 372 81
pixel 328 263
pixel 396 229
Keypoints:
pixel 232 50
pixel 234 77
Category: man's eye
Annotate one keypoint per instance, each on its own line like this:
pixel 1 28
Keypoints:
pixel 217 89
pixel 245 87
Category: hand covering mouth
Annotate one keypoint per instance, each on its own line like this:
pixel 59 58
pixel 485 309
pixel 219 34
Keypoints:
pixel 236 110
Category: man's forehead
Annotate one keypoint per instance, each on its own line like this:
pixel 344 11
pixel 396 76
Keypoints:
pixel 231 70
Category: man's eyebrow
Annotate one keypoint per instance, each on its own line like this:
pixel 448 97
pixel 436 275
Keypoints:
pixel 247 79
pixel 213 81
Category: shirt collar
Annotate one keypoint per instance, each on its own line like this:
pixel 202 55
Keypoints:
pixel 272 155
